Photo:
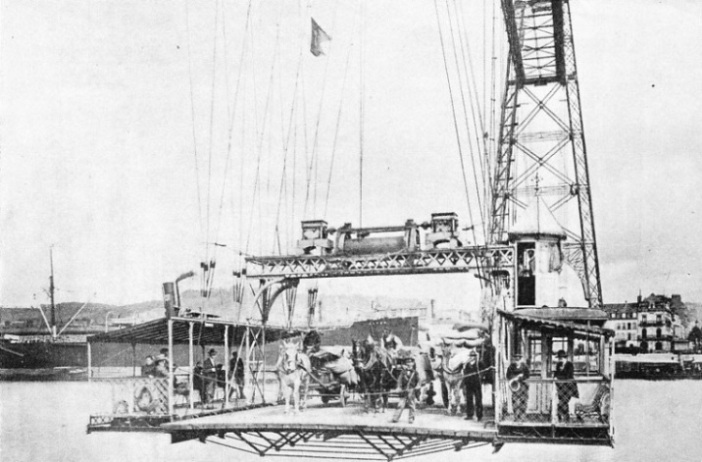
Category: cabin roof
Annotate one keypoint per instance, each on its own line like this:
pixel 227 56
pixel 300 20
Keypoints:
pixel 569 313
pixel 565 327
pixel 205 332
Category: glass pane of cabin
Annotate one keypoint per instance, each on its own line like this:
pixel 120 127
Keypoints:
pixel 586 357
pixel 534 356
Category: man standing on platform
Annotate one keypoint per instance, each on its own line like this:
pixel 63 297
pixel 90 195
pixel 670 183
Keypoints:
pixel 209 369
pixel 236 372
pixel 517 373
pixel 407 383
pixel 566 388
pixel 473 387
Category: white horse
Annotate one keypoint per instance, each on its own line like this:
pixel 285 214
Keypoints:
pixel 293 372
pixel 451 373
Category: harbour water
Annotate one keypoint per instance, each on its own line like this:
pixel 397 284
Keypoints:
pixel 654 421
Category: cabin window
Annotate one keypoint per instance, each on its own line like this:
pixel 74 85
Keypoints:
pixel 535 352
pixel 586 357
pixel 526 279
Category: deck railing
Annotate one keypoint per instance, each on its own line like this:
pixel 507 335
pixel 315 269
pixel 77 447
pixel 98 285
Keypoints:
pixel 579 402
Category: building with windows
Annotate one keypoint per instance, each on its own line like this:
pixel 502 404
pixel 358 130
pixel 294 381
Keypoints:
pixel 622 318
pixel 653 324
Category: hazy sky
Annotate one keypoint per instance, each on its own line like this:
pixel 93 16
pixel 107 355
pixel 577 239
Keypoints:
pixel 102 105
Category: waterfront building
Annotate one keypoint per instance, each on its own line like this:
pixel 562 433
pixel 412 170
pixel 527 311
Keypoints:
pixel 622 318
pixel 653 324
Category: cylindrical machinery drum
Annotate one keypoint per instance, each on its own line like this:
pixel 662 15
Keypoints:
pixel 371 245
pixel 169 298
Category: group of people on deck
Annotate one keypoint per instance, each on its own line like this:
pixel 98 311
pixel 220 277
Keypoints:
pixel 207 375
pixel 156 367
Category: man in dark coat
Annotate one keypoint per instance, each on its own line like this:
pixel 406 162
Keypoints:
pixel 236 372
pixel 517 373
pixel 473 386
pixel 209 369
pixel 566 388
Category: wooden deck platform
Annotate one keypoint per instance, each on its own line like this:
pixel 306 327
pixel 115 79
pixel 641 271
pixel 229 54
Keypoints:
pixel 336 432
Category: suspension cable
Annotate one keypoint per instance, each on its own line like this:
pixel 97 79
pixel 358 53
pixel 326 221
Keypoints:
pixel 192 116
pixel 232 116
pixel 362 98
pixel 209 156
pixel 260 143
pixel 455 119
pixel 336 130
pixel 465 111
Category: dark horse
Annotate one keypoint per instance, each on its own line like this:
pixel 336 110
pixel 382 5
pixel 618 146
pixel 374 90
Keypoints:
pixel 376 370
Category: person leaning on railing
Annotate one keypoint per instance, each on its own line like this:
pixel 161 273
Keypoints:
pixel 517 374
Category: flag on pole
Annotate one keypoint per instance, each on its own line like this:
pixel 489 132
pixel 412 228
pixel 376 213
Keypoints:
pixel 318 38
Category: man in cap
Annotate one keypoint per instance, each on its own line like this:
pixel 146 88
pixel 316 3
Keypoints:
pixel 517 373
pixel 566 388
pixel 473 387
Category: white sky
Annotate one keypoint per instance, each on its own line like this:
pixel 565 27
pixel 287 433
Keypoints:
pixel 96 138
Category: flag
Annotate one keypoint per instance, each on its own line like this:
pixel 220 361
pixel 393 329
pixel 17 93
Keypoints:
pixel 318 38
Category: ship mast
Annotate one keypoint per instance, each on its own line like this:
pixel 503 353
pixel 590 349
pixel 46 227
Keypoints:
pixel 51 294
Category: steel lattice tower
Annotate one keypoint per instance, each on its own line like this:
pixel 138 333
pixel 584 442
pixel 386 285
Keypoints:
pixel 541 140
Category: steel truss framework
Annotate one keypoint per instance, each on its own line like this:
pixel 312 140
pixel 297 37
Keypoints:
pixel 336 442
pixel 541 133
pixel 439 261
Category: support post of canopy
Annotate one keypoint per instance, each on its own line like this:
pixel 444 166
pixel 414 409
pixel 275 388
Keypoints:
pixel 133 359
pixel 226 365
pixel 191 357
pixel 170 367
pixel 247 373
pixel 90 365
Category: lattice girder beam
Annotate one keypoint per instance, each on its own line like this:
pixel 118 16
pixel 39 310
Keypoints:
pixel 535 32
pixel 463 259
pixel 336 442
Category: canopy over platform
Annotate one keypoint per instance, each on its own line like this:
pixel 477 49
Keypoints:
pixel 208 332
pixel 558 327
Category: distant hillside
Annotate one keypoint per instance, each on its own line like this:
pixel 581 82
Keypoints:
pixel 334 308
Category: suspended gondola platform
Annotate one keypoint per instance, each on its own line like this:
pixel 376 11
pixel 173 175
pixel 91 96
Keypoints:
pixel 259 425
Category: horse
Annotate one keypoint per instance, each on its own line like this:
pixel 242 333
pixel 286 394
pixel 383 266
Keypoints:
pixel 376 371
pixel 451 374
pixel 293 372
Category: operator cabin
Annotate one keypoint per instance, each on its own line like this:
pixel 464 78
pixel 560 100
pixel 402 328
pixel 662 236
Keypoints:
pixel 542 323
